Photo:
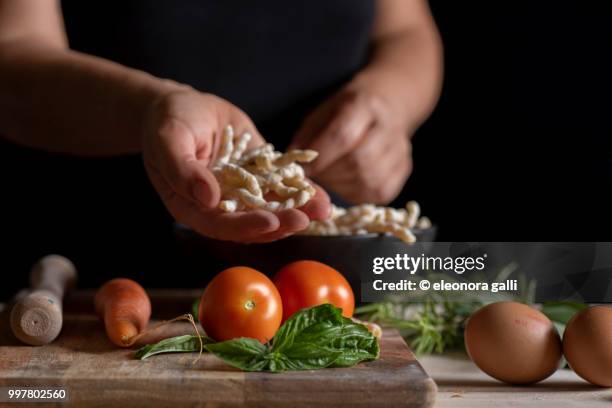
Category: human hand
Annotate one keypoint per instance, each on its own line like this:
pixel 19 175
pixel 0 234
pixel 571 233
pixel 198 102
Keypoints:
pixel 362 137
pixel 181 136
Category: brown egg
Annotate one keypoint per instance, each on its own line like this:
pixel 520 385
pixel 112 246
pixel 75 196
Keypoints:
pixel 513 342
pixel 587 345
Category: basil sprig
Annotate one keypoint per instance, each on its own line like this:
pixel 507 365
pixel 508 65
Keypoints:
pixel 180 344
pixel 311 339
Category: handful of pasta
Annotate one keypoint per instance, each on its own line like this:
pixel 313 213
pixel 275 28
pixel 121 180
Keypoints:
pixel 246 176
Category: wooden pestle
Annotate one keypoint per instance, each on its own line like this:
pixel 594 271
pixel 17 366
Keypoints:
pixel 36 318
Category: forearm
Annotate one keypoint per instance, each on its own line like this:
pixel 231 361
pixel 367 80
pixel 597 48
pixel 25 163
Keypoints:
pixel 406 67
pixel 60 100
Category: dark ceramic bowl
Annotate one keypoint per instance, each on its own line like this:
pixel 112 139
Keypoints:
pixel 351 255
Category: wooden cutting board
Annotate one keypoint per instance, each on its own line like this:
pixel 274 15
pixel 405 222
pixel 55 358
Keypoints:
pixel 96 373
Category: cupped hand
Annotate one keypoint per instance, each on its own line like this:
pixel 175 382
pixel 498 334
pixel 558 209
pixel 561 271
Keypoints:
pixel 181 134
pixel 365 154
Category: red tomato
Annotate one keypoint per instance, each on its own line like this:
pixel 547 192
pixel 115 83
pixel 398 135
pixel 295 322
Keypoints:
pixel 309 283
pixel 240 302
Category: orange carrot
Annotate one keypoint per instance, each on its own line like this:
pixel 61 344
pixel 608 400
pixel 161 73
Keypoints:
pixel 125 308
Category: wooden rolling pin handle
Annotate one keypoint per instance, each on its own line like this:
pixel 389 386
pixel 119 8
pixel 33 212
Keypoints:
pixel 53 273
pixel 36 318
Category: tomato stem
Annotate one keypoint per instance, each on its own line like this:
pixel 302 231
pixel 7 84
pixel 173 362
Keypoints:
pixel 249 305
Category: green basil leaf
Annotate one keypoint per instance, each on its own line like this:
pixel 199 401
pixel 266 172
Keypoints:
pixel 195 309
pixel 304 357
pixel 302 320
pixel 181 344
pixel 244 353
pixel 357 343
pixel 320 337
pixel 562 312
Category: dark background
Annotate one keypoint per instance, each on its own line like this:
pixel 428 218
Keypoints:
pixel 519 146
pixel 518 149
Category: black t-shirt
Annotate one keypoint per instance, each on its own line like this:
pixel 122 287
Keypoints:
pixel 275 59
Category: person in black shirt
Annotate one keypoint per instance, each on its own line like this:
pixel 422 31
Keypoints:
pixel 64 100
pixel 91 90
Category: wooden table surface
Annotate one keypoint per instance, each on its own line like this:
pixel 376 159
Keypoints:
pixel 96 373
pixel 462 384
